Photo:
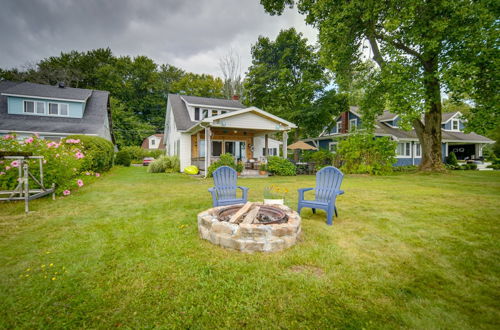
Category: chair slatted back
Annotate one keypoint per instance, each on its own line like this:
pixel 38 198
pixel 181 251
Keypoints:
pixel 328 180
pixel 225 182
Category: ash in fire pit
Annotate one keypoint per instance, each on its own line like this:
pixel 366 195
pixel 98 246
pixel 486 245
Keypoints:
pixel 250 227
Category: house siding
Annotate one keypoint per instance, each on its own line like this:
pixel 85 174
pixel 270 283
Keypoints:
pixel 15 106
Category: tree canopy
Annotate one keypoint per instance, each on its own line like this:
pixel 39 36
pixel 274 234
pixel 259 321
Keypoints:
pixel 286 79
pixel 422 48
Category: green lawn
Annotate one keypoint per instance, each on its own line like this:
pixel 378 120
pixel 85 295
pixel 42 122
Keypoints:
pixel 408 251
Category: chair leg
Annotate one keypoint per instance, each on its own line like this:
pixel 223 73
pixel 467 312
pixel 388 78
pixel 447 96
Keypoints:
pixel 314 211
pixel 329 217
pixel 336 214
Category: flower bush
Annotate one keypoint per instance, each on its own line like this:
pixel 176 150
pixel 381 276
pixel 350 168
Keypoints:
pixel 62 164
pixel 99 152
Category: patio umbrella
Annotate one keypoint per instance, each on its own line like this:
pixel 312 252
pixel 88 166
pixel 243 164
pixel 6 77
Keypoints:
pixel 301 145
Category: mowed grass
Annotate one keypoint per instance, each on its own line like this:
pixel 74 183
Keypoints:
pixel 408 251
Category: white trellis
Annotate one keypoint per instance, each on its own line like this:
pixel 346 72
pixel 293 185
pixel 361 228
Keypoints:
pixel 22 190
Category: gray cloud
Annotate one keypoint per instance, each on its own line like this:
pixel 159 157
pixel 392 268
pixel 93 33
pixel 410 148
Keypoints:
pixel 191 34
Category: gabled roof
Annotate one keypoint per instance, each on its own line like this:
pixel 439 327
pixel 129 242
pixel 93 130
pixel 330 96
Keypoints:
pixel 387 116
pixel 180 112
pixel 212 102
pixel 250 109
pixel 445 117
pixel 27 89
pixel 93 121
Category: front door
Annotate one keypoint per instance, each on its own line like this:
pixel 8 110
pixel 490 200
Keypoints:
pixel 236 148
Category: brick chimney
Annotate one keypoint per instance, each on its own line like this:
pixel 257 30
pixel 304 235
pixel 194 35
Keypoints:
pixel 236 97
pixel 344 117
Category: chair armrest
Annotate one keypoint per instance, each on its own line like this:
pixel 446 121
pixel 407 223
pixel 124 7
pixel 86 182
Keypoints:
pixel 245 192
pixel 302 191
pixel 214 195
pixel 339 192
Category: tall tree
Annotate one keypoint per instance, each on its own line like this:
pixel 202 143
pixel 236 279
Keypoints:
pixel 198 85
pixel 230 67
pixel 421 47
pixel 286 79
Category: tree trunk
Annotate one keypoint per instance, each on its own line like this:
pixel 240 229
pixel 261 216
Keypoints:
pixel 429 132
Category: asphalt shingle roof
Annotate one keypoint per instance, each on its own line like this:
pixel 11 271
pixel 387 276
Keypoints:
pixel 48 91
pixel 93 121
pixel 207 101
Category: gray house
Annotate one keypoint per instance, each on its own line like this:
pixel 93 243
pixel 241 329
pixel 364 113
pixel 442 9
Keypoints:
pixel 53 112
pixel 408 152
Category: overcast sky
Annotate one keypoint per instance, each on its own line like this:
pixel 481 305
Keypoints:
pixel 190 34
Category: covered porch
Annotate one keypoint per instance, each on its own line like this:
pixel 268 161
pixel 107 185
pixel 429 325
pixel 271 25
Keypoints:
pixel 246 134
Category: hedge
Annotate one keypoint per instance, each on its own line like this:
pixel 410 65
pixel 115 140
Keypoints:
pixel 99 152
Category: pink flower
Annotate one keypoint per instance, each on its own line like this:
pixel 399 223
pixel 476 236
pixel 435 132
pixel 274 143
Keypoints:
pixel 87 173
pixel 2 173
pixel 15 163
pixel 57 155
pixel 72 141
pixel 79 182
pixel 7 168
pixel 28 140
pixel 97 174
pixel 79 155
pixel 66 192
pixel 7 137
pixel 37 135
pixel 1 161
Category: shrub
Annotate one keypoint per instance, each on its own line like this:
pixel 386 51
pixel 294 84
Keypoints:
pixel 137 154
pixel 322 158
pixel 452 159
pixel 63 162
pixel 164 164
pixel 239 167
pixel 123 158
pixel 361 152
pixel 263 167
pixel 224 160
pixel 99 152
pixel 280 166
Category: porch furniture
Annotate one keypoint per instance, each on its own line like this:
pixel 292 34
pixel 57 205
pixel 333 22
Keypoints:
pixel 328 181
pixel 224 192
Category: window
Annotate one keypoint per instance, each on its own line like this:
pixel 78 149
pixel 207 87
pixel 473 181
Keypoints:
pixel 455 125
pixel 214 113
pixel 196 113
pixel 223 112
pixel 58 109
pixel 272 151
pixel 216 148
pixel 403 149
pixel 153 142
pixel 29 107
pixel 205 114
pixel 418 150
pixel 339 126
pixel 40 108
pixel 332 146
pixel 353 124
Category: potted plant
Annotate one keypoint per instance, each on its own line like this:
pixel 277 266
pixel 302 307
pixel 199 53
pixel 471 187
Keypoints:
pixel 275 195
pixel 239 167
pixel 263 169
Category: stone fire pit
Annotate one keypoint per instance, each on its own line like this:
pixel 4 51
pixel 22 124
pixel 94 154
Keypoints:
pixel 250 227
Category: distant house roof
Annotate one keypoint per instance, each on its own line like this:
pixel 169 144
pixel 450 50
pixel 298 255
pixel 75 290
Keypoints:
pixel 95 118
pixel 386 115
pixel 47 91
pixel 180 111
pixel 145 142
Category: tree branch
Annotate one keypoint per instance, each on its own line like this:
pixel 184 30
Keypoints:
pixel 400 46
pixel 377 57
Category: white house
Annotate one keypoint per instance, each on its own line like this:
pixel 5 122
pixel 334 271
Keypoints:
pixel 154 142
pixel 200 126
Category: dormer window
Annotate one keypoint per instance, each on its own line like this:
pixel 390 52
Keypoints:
pixel 34 107
pixel 58 109
pixel 339 126
pixel 455 125
pixel 353 124
pixel 205 114
pixel 196 113
pixel 214 113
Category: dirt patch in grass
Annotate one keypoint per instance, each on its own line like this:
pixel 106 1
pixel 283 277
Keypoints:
pixel 307 269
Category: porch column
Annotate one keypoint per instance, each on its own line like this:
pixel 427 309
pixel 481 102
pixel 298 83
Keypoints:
pixel 285 142
pixel 208 151
pixel 266 145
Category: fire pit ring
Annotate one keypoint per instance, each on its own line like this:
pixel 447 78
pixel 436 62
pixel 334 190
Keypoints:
pixel 274 227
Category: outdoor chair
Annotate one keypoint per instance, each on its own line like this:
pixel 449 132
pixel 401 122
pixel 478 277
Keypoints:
pixel 328 181
pixel 224 192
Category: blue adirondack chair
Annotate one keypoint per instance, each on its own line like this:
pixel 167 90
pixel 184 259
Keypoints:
pixel 328 181
pixel 224 192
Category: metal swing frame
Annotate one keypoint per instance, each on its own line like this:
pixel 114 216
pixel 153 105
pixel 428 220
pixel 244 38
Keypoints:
pixel 22 190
